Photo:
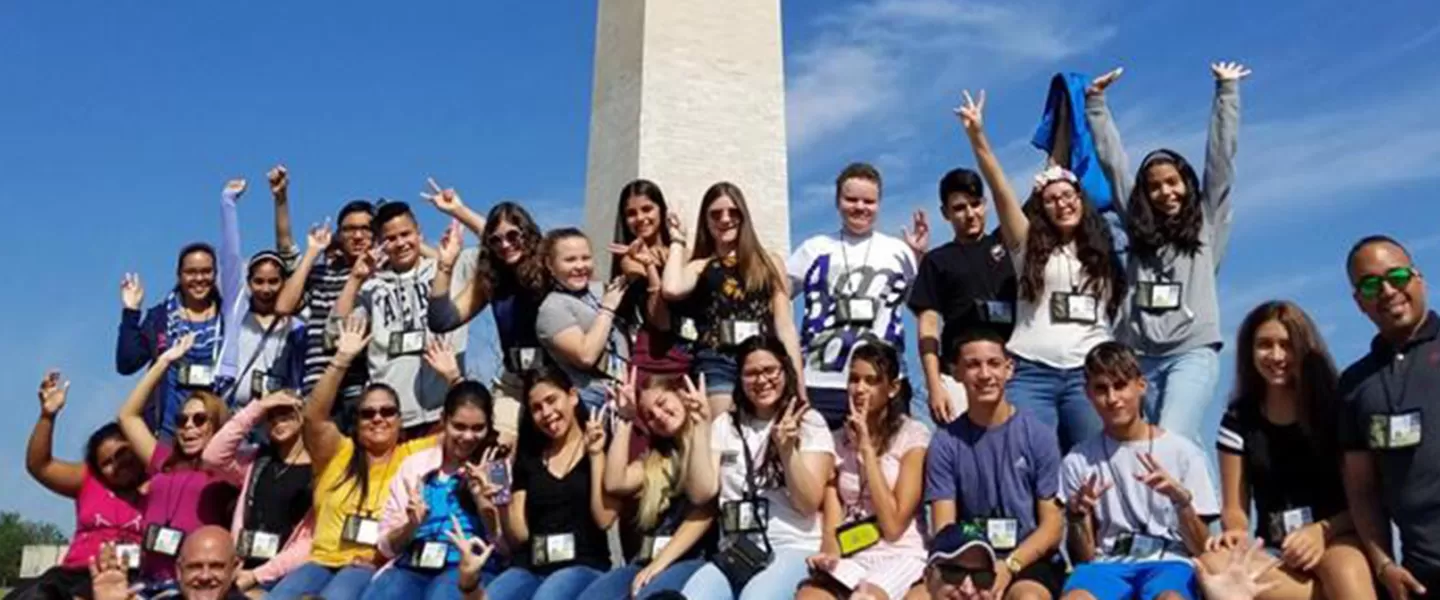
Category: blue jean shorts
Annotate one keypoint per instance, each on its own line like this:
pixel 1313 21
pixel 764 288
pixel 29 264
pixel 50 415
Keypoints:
pixel 719 369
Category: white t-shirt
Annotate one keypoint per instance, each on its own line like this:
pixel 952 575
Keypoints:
pixel 877 268
pixel 1063 344
pixel 396 303
pixel 1131 506
pixel 787 528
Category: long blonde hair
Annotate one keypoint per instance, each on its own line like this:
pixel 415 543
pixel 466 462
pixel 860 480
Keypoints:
pixel 664 464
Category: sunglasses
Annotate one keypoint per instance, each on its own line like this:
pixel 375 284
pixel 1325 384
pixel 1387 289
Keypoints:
pixel 388 412
pixel 956 575
pixel 511 237
pixel 1369 286
pixel 196 419
pixel 733 213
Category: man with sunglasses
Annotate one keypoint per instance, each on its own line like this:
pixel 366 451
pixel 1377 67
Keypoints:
pixel 1390 424
pixel 962 565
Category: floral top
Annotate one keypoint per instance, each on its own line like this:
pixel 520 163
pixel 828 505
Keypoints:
pixel 724 298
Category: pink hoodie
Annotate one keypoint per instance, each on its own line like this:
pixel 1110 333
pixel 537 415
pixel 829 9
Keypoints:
pixel 231 460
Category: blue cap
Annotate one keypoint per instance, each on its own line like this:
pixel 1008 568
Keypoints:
pixel 957 538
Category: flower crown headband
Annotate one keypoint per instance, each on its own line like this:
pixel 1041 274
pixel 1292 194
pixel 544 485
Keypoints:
pixel 1052 174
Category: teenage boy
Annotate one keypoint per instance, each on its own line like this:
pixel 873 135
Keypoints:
pixel 964 284
pixel 1138 498
pixel 854 282
pixel 998 469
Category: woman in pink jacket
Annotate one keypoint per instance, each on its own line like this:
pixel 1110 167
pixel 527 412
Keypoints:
pixel 273 521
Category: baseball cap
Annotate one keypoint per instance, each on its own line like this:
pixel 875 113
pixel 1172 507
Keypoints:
pixel 956 539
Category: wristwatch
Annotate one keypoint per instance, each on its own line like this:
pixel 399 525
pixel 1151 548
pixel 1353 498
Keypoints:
pixel 1013 564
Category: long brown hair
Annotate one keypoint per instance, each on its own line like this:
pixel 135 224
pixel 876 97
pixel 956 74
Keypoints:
pixel 1093 247
pixel 886 361
pixel 1316 382
pixel 756 269
pixel 529 275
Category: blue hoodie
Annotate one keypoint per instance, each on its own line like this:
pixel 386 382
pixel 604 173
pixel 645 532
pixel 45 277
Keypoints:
pixel 1067 92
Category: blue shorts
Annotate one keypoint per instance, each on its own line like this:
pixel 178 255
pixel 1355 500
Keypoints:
pixel 719 370
pixel 1143 580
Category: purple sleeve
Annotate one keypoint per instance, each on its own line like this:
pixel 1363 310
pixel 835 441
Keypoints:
pixel 230 282
pixel 940 468
pixel 1045 447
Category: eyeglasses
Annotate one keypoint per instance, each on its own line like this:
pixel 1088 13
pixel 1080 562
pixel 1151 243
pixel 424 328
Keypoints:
pixel 511 237
pixel 195 419
pixel 761 373
pixel 953 574
pixel 1369 286
pixel 1065 195
pixel 355 229
pixel 388 412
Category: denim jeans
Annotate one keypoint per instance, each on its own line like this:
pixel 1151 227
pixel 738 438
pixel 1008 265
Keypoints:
pixel 402 583
pixel 720 371
pixel 346 583
pixel 518 583
pixel 778 581
pixel 616 583
pixel 1057 397
pixel 1182 391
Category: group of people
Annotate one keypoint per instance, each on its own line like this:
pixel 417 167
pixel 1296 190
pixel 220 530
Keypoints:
pixel 304 427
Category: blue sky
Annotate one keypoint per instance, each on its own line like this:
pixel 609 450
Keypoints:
pixel 120 123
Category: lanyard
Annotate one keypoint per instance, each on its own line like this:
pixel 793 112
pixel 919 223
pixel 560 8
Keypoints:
pixel 259 350
pixel 845 256
pixel 1401 369
pixel 1130 512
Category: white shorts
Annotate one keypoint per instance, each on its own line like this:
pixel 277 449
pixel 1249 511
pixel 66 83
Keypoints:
pixel 895 574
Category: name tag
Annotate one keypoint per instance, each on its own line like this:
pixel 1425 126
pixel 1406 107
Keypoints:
pixel 1139 546
pixel 196 375
pixel 735 332
pixel 499 477
pixel 1156 295
pixel 523 359
pixel 857 536
pixel 1394 432
pixel 995 311
pixel 263 383
pixel 259 545
pixel 163 540
pixel 549 549
pixel 615 367
pixel 429 555
pixel 360 530
pixel 745 516
pixel 729 458
pixel 1286 522
pixel 687 329
pixel 1067 307
pixel 404 343
pixel 652 546
pixel 855 310
pixel 129 555
pixel 1004 534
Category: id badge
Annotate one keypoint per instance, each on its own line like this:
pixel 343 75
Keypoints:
pixel 615 368
pixel 524 359
pixel 1003 533
pixel 263 384
pixel 745 516
pixel 1156 295
pixel 734 332
pixel 196 375
pixel 1066 307
pixel 163 540
pixel 547 549
pixel 652 546
pixel 404 343
pixel 998 312
pixel 129 555
pixel 499 477
pixel 1395 432
pixel 857 536
pixel 258 545
pixel 687 329
pixel 855 310
pixel 429 555
pixel 1286 522
pixel 360 530
pixel 1135 545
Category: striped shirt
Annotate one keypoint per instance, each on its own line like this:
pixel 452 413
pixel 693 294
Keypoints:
pixel 322 290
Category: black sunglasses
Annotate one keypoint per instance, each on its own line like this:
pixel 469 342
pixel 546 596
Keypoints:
pixel 387 412
pixel 1369 286
pixel 196 419
pixel 511 237
pixel 954 574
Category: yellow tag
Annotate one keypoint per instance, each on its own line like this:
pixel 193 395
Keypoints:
pixel 857 536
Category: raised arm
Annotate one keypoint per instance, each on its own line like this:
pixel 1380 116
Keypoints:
pixel 1082 493
pixel 1220 151
pixel 133 345
pixel 225 455
pixel 603 507
pixel 783 315
pixel 1014 225
pixel 231 278
pixel 578 347
pixel 806 473
pixel 365 266
pixel 1108 147
pixel 130 417
pixel 681 273
pixel 62 477
pixel 702 471
pixel 293 292
pixel 623 479
pixel 322 438
pixel 279 178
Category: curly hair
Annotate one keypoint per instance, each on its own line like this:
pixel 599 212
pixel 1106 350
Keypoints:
pixel 1150 231
pixel 886 362
pixel 1093 247
pixel 492 276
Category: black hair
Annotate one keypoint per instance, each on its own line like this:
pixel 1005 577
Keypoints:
pixel 969 335
pixel 1114 360
pixel 354 206
pixel 1093 247
pixel 389 211
pixel 961 181
pixel 887 361
pixel 646 189
pixel 1150 231
pixel 472 393
pixel 203 248
pixel 529 440
pixel 358 468
pixel 106 432
pixel 1316 382
pixel 262 257
pixel 770 470
pixel 1366 242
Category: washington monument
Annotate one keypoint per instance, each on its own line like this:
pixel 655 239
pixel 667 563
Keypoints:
pixel 688 93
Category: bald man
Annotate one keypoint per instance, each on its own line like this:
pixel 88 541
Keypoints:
pixel 207 565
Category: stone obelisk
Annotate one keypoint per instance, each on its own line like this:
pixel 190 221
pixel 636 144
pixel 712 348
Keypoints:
pixel 688 93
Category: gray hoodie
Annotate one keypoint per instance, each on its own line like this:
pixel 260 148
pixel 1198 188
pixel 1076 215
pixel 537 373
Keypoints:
pixel 1196 323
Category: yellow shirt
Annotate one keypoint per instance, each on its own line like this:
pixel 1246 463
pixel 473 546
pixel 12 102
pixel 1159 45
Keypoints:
pixel 334 504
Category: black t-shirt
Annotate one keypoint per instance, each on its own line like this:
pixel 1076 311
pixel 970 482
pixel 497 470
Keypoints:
pixel 556 506
pixel 1397 381
pixel 279 498
pixel 957 278
pixel 1283 468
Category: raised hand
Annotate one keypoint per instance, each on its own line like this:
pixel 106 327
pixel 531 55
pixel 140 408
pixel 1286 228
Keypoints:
pixel 177 350
pixel 972 112
pixel 677 230
pixel 474 553
pixel 697 403
pixel 624 396
pixel 370 263
pixel 320 236
pixel 447 200
pixel 234 188
pixel 917 236
pixel 451 243
pixel 614 293
pixel 52 393
pixel 594 436
pixel 280 399
pixel 786 433
pixel 416 509
pixel 1083 502
pixel 1229 71
pixel 108 577
pixel 1237 581
pixel 1156 478
pixel 279 178
pixel 1302 549
pixel 353 337
pixel 1099 84
pixel 132 292
pixel 440 355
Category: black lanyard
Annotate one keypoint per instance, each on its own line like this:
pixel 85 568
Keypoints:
pixel 1399 368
